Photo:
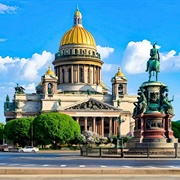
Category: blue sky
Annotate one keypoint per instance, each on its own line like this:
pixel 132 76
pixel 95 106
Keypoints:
pixel 124 31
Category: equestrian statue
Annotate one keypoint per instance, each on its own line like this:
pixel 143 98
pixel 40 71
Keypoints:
pixel 153 64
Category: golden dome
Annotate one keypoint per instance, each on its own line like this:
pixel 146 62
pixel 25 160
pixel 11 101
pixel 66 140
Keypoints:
pixel 77 34
pixel 49 71
pixel 119 73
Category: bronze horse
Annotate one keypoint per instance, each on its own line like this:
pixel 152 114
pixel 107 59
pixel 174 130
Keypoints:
pixel 153 67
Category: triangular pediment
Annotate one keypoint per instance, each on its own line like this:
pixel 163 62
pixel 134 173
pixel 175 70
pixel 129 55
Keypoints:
pixel 92 104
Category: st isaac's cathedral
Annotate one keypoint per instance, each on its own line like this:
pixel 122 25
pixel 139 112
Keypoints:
pixel 76 88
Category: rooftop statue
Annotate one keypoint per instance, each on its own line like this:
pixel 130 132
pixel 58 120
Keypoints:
pixel 50 88
pixel 19 89
pixel 153 64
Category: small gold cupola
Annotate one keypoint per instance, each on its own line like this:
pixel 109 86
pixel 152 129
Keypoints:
pixel 49 82
pixel 119 73
pixel 49 71
pixel 119 85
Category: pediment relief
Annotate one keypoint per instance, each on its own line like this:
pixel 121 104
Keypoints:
pixel 94 105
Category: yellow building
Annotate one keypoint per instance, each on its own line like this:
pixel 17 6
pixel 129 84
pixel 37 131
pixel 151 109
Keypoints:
pixel 76 88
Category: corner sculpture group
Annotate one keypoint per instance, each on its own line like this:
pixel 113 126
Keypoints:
pixel 141 106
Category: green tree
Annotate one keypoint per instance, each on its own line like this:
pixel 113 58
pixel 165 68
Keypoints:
pixel 54 128
pixel 176 129
pixel 19 131
pixel 1 132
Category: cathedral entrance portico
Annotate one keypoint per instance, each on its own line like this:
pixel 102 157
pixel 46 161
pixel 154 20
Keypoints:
pixel 104 126
pixel 96 116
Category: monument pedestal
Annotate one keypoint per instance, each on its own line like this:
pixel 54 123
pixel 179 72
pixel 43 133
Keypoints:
pixel 152 114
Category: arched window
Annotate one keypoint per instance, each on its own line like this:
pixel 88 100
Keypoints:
pixel 69 75
pixel 70 51
pixel 63 77
pixel 61 52
pixel 120 89
pixel 76 51
pixel 50 88
pixel 81 51
pixel 88 76
pixel 67 51
pixel 81 75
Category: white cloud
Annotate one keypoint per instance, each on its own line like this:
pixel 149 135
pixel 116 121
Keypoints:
pixel 170 61
pixel 104 51
pixel 32 65
pixel 136 56
pixel 30 88
pixel 2 40
pixel 7 9
pixel 110 68
pixel 106 67
pixel 7 84
pixel 25 69
pixel 109 71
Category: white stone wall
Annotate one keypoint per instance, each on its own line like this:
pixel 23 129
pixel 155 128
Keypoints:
pixel 50 105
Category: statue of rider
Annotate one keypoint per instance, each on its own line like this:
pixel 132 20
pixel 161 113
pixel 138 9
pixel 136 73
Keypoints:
pixel 154 53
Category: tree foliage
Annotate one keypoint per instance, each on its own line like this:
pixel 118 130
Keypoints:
pixel 54 128
pixel 176 129
pixel 19 131
pixel 1 132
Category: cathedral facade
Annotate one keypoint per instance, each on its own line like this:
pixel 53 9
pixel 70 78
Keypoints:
pixel 75 87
